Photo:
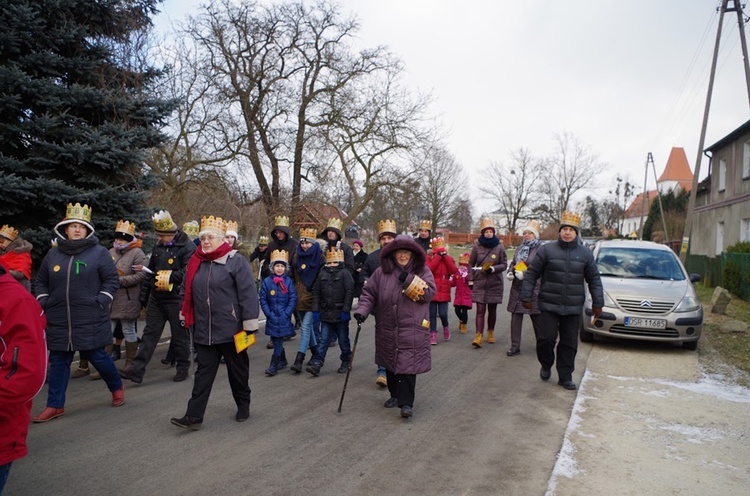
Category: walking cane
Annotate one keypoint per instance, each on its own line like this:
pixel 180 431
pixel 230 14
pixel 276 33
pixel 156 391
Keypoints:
pixel 351 362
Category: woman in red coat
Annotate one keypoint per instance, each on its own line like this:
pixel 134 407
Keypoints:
pixel 443 268
pixel 398 292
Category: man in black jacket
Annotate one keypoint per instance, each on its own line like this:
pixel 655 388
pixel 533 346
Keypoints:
pixel 563 266
pixel 161 296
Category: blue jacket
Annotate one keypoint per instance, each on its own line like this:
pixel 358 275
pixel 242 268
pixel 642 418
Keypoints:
pixel 76 292
pixel 278 307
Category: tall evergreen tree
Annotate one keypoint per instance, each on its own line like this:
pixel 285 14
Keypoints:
pixel 77 111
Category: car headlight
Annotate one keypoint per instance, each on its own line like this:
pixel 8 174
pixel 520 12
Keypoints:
pixel 688 304
pixel 608 301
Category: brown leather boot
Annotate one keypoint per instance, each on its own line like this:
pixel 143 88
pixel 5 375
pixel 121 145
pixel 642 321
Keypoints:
pixel 131 350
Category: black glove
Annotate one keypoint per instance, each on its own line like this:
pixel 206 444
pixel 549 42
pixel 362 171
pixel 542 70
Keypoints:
pixel 103 300
pixel 402 277
pixel 359 318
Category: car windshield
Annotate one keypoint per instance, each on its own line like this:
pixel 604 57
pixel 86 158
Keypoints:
pixel 639 263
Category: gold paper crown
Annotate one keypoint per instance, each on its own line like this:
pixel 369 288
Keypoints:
pixel 437 244
pixel 191 228
pixel 279 256
pixel 125 227
pixel 163 222
pixel 231 226
pixel 162 281
pixel 425 224
pixel 463 258
pixel 570 219
pixel 78 212
pixel 213 223
pixel 416 288
pixel 386 226
pixel 336 224
pixel 308 233
pixel 281 221
pixel 9 232
pixel 263 240
pixel 486 223
pixel 334 256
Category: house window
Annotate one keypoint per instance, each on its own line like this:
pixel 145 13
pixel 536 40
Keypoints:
pixel 745 230
pixel 719 238
pixel 746 160
pixel 722 175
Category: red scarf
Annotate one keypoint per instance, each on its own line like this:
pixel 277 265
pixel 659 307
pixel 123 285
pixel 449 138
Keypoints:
pixel 280 281
pixel 192 268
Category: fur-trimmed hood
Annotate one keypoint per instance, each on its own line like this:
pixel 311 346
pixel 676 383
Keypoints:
pixel 402 242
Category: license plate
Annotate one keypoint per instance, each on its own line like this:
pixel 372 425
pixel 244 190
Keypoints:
pixel 646 323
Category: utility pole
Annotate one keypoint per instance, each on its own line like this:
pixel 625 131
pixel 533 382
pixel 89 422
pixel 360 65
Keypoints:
pixel 743 43
pixel 702 140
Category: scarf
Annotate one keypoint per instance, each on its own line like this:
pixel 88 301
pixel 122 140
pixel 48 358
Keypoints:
pixel 123 247
pixel 489 242
pixel 279 281
pixel 192 268
pixel 311 260
pixel 525 249
pixel 76 246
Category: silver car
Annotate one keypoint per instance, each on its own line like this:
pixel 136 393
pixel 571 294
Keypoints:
pixel 648 295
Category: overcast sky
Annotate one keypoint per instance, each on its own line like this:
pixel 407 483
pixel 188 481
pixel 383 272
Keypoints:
pixel 626 77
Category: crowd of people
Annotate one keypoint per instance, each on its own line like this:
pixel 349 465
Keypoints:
pixel 88 300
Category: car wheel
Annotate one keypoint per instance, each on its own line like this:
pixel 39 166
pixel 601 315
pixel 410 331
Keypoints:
pixel 586 336
pixel 690 345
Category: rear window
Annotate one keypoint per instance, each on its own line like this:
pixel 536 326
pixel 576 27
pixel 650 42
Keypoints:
pixel 639 263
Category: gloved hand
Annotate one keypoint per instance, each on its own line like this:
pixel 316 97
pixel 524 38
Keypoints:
pixel 489 269
pixel 402 277
pixel 104 301
pixel 509 275
pixel 359 318
pixel 346 316
pixel 519 275
pixel 526 305
pixel 597 312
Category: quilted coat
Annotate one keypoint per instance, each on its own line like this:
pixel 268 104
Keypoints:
pixel 126 304
pixel 402 341
pixel 488 286
pixel 462 298
pixel 443 268
pixel 278 306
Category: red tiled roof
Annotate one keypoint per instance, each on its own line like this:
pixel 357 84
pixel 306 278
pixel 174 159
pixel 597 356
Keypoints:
pixel 636 206
pixel 677 168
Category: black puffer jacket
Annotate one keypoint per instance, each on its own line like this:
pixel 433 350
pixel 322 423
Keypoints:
pixel 333 293
pixel 371 265
pixel 563 268
pixel 174 257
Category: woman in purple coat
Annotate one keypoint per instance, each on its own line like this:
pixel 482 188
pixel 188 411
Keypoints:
pixel 399 292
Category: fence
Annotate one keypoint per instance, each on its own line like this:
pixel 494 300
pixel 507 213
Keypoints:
pixel 730 271
pixel 468 238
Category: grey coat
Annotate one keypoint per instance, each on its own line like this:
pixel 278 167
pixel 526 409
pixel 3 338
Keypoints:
pixel 487 286
pixel 514 299
pixel 126 304
pixel 402 342
pixel 225 299
pixel 563 268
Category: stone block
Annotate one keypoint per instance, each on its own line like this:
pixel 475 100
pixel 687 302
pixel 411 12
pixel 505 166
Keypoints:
pixel 719 301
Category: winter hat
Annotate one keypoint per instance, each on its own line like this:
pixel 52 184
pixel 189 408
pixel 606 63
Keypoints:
pixel 231 229
pixel 532 226
pixel 76 213
pixel 163 223
pixel 570 219
pixel 358 242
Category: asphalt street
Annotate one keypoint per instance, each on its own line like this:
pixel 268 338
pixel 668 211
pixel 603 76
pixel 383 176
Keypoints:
pixel 483 423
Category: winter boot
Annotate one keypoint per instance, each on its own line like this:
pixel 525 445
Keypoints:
pixel 446 333
pixel 118 397
pixel 282 361
pixel 490 336
pixel 297 366
pixel 116 352
pixel 344 367
pixel 274 367
pixel 131 350
pixel 477 343
pixel 82 370
pixel 462 328
pixel 314 367
pixel 433 338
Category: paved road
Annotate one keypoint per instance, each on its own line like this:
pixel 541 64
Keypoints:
pixel 483 424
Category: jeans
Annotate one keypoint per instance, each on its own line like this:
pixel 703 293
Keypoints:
pixel 4 470
pixel 341 330
pixel 307 333
pixel 129 329
pixel 441 309
pixel 59 373
pixel 278 346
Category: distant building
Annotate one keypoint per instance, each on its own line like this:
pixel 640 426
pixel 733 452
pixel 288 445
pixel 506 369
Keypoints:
pixel 677 176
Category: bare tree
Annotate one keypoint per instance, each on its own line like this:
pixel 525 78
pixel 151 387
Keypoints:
pixel 515 187
pixel 443 183
pixel 570 169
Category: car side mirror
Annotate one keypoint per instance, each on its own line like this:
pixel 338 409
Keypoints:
pixel 695 277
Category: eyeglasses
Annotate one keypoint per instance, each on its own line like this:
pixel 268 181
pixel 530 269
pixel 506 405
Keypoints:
pixel 207 237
